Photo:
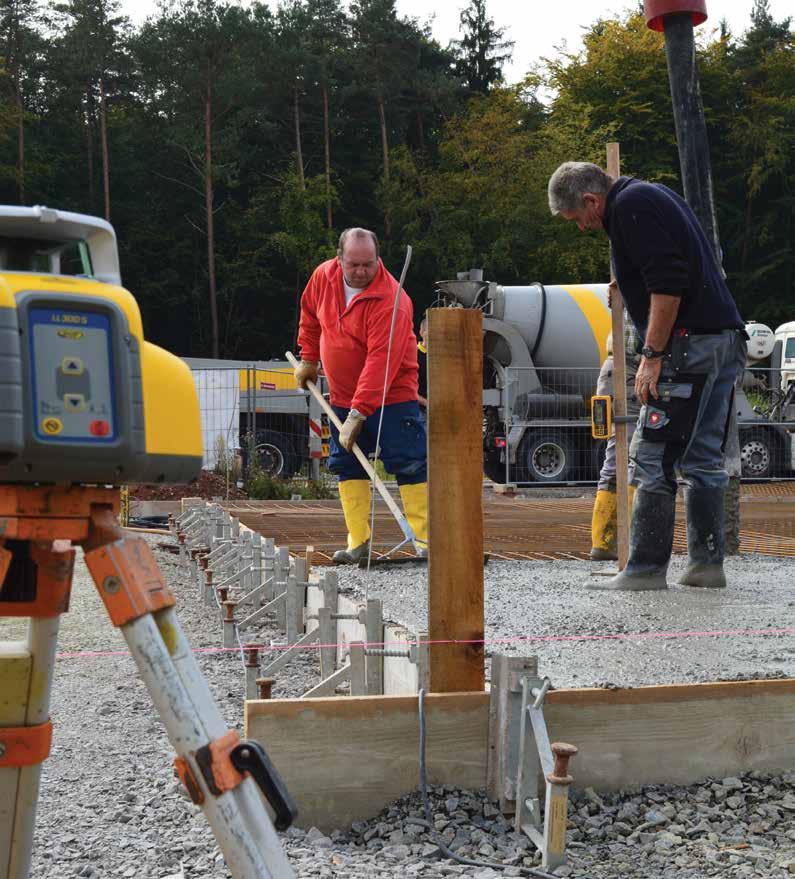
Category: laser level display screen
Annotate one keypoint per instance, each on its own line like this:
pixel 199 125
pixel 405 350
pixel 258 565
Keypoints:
pixel 71 368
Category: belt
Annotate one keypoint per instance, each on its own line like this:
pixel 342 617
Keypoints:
pixel 714 332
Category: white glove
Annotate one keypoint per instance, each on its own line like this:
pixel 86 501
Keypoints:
pixel 351 429
pixel 306 371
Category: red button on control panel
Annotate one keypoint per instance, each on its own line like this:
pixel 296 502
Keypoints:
pixel 99 428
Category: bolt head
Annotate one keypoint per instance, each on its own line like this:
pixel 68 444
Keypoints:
pixel 111 585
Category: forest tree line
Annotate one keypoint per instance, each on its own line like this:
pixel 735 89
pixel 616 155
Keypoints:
pixel 230 145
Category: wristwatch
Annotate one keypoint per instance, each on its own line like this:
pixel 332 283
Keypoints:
pixel 355 413
pixel 650 353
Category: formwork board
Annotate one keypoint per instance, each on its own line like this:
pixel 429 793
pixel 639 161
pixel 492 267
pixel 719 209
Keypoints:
pixel 344 759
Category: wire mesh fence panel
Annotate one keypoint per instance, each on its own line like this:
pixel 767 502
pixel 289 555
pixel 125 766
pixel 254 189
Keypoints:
pixel 541 430
pixel 255 420
pixel 218 390
pixel 766 419
pixel 537 428
pixel 282 427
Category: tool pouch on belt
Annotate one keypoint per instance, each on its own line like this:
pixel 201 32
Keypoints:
pixel 671 418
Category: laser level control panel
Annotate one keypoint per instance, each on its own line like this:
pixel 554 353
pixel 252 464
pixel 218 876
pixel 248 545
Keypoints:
pixel 71 372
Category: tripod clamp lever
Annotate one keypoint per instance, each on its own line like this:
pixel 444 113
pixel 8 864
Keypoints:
pixel 251 757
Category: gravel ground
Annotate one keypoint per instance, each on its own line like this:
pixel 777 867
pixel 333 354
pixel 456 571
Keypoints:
pixel 110 806
pixel 539 608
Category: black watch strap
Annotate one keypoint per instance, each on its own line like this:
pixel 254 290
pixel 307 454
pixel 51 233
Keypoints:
pixel 650 354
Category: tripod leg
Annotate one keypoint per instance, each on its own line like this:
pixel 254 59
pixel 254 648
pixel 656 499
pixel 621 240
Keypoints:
pixel 139 602
pixel 43 639
pixel 24 709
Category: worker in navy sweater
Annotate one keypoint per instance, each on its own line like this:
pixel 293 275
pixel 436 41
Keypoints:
pixel 693 349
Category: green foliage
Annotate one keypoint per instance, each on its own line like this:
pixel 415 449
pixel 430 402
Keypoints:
pixel 260 485
pixel 424 145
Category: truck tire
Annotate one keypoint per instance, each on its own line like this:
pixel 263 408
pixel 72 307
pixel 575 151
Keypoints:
pixel 758 450
pixel 545 456
pixel 274 454
pixel 494 468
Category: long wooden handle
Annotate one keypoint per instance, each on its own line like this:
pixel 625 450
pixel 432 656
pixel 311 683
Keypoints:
pixel 360 456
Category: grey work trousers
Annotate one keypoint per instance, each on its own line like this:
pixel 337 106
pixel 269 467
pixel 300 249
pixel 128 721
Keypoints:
pixel 682 433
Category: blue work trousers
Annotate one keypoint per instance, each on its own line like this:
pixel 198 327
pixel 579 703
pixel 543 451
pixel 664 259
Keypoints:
pixel 682 434
pixel 404 444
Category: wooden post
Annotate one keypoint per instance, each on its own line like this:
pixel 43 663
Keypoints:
pixel 623 512
pixel 455 490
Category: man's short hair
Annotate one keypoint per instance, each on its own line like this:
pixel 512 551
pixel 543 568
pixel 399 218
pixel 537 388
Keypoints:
pixel 571 181
pixel 357 232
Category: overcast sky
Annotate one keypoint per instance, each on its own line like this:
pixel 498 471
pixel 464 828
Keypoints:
pixel 537 26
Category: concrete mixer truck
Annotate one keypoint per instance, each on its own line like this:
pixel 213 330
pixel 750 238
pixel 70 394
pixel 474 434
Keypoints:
pixel 543 346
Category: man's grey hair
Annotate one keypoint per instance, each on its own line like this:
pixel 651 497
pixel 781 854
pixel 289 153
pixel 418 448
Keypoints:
pixel 571 181
pixel 357 232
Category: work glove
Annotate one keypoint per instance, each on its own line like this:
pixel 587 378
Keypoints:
pixel 306 371
pixel 351 429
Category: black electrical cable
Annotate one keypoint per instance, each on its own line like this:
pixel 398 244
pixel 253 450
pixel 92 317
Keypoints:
pixel 433 833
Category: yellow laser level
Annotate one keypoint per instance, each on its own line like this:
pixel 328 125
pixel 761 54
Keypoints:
pixel 601 417
pixel 83 397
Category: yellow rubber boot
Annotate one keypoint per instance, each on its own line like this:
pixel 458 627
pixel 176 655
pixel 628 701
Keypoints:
pixel 604 524
pixel 415 506
pixel 604 537
pixel 355 500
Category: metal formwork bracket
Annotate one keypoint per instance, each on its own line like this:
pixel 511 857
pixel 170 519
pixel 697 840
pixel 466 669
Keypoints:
pixel 535 749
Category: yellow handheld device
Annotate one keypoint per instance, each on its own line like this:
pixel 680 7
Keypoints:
pixel 601 417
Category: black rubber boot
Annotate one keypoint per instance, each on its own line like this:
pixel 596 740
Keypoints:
pixel 351 556
pixel 705 538
pixel 650 542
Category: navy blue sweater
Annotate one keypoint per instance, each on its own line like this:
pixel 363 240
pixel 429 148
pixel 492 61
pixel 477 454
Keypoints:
pixel 659 247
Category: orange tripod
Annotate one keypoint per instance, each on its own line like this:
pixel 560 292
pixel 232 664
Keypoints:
pixel 221 773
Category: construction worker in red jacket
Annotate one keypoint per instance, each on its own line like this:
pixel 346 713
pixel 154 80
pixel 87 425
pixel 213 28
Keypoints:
pixel 346 316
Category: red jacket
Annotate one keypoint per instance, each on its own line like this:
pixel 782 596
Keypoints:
pixel 352 341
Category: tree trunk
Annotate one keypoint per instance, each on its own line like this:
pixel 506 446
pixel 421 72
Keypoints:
pixel 327 153
pixel 208 200
pixel 13 54
pixel 90 148
pixel 746 242
pixel 103 133
pixel 384 138
pixel 298 151
pixel 385 153
pixel 20 143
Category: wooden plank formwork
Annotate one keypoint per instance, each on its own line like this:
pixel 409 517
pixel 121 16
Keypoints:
pixel 344 759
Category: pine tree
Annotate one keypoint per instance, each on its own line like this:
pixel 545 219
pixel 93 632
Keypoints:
pixel 482 50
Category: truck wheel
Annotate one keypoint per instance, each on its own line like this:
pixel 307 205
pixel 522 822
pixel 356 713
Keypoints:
pixel 757 454
pixel 274 454
pixel 545 457
pixel 494 468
